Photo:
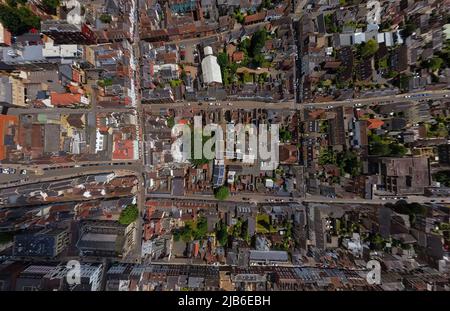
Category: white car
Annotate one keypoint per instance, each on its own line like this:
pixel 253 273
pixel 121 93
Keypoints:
pixel 5 171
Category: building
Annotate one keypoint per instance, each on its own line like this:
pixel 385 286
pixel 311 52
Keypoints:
pixel 68 100
pixel 5 36
pixel 63 32
pixel 8 133
pixel 268 257
pixel 105 238
pixel 336 129
pixel 183 6
pixel 444 153
pixel 90 278
pixel 47 277
pixel 32 278
pixel 288 154
pixel 12 91
pixel 219 173
pixel 409 175
pixel 255 18
pixel 9 271
pixel 47 243
pixel 158 96
pixel 210 68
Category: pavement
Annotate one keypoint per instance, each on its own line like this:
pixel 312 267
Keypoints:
pixel 261 198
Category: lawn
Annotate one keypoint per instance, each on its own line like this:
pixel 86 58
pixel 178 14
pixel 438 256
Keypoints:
pixel 263 224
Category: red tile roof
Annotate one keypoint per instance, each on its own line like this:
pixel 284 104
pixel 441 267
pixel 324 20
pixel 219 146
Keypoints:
pixel 238 56
pixel 258 17
pixel 64 99
pixel 374 124
pixel 123 150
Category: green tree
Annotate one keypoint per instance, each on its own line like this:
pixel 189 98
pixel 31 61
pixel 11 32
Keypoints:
pixel 175 83
pixel 408 30
pixel 247 77
pixel 377 241
pixel 105 82
pixel 105 18
pixel 259 60
pixel 6 237
pixel 379 149
pixel 327 156
pixel 183 75
pixel 201 228
pixel 186 232
pixel 369 48
pixel 330 25
pixel 238 16
pixel 222 60
pixel 443 177
pixel 262 78
pixel 349 163
pixel 18 20
pixel 397 150
pixel 402 81
pixel 170 122
pixel 285 135
pixel 198 162
pixel 222 193
pixel 265 4
pixel 129 214
pixel 244 234
pixel 435 63
pixel 257 42
pixel 50 6
pixel 222 233
pixel 176 235
pixel 244 46
pixel 12 3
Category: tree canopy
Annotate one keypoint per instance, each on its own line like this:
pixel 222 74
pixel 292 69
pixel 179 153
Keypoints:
pixel 222 193
pixel 384 147
pixel 50 6
pixel 129 214
pixel 105 18
pixel 18 20
pixel 222 233
pixel 435 63
pixel 443 177
pixel 192 230
pixel 285 135
pixel 198 162
pixel 369 48
pixel 257 42
pixel 408 30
